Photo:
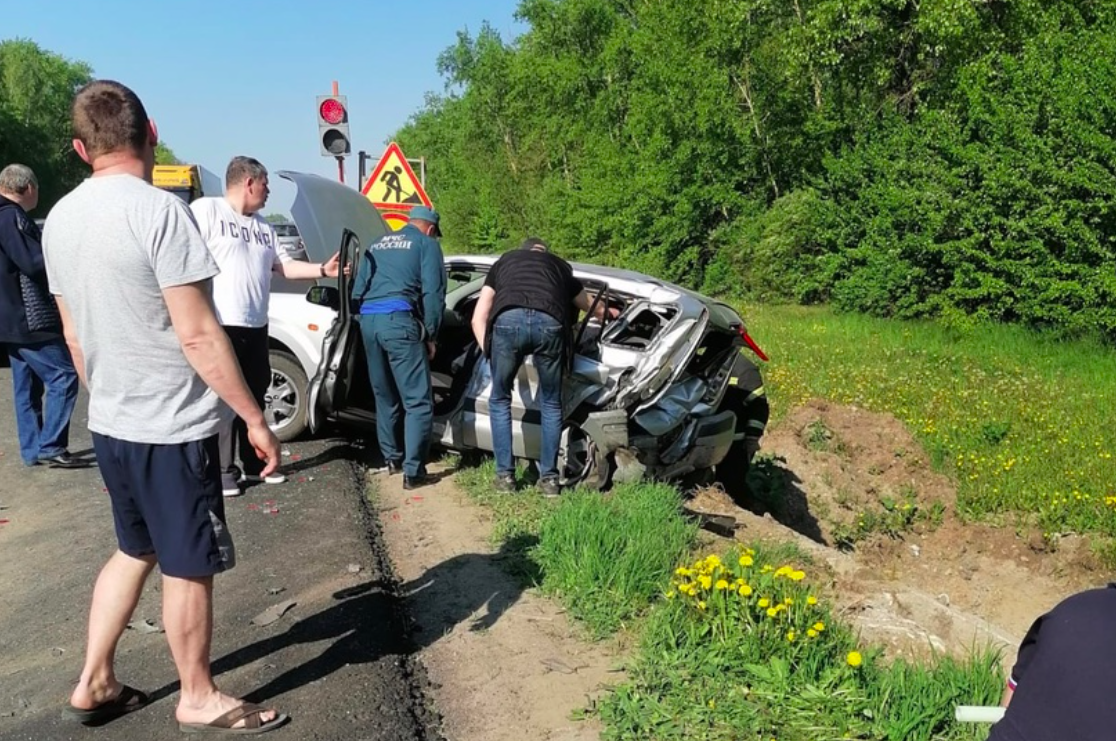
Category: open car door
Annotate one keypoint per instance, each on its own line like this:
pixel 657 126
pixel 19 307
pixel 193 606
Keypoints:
pixel 330 384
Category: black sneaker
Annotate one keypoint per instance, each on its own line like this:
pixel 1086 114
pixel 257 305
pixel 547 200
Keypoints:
pixel 550 488
pixel 414 482
pixel 63 460
pixel 393 467
pixel 504 483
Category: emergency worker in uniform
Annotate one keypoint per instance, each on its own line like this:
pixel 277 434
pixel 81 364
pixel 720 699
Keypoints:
pixel 400 294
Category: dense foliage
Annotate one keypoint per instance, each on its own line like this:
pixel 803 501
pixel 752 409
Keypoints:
pixel 945 157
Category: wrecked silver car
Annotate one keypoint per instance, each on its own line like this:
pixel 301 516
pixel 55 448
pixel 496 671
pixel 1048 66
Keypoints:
pixel 663 390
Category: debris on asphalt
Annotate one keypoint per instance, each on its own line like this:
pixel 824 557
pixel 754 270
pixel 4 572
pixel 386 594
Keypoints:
pixel 276 590
pixel 355 568
pixel 147 625
pixel 286 452
pixel 57 651
pixel 273 613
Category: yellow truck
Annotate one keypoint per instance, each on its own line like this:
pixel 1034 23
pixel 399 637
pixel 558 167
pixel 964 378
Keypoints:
pixel 188 182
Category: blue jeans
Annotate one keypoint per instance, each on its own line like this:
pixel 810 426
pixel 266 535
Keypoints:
pixel 43 433
pixel 399 371
pixel 516 334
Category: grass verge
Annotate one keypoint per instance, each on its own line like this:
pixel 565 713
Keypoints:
pixel 1019 419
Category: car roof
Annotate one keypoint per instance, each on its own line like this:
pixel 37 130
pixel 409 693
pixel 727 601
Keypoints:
pixel 633 283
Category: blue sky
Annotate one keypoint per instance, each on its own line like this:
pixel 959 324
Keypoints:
pixel 241 76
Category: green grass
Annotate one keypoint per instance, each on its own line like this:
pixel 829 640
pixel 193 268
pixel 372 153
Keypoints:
pixel 1020 420
pixel 607 558
pixel 742 646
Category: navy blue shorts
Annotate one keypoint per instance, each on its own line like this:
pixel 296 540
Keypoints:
pixel 166 501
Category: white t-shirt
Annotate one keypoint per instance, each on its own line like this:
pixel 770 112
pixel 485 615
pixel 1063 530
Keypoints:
pixel 246 249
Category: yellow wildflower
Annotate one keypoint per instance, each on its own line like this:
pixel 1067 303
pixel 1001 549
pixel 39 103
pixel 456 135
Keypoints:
pixel 783 571
pixel 811 633
pixel 701 605
pixel 790 636
pixel 789 601
pixel 670 594
pixel 721 584
pixel 854 658
pixel 706 581
pixel 746 560
pixel 764 602
pixel 772 612
pixel 811 600
pixel 819 626
pixel 797 575
pixel 745 590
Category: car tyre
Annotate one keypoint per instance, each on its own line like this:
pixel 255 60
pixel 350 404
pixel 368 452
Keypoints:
pixel 287 397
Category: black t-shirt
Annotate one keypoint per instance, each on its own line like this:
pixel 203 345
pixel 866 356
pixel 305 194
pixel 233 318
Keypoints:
pixel 1065 674
pixel 530 279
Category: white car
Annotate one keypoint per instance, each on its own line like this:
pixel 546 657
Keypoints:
pixel 657 391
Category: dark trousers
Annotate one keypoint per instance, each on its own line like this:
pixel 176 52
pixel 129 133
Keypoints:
pixel 399 371
pixel 250 346
pixel 38 370
pixel 517 333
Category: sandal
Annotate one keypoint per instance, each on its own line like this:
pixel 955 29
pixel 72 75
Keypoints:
pixel 248 712
pixel 128 700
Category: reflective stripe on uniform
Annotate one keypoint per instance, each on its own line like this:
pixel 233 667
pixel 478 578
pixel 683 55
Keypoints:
pixel 755 394
pixel 756 424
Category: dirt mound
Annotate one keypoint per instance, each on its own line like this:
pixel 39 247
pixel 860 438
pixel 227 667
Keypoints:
pixel 857 492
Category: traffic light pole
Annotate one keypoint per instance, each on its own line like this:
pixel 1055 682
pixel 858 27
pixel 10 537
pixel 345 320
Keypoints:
pixel 340 169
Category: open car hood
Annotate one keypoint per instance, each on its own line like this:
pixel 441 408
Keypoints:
pixel 323 209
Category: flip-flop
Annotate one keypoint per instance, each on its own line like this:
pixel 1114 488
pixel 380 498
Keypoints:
pixel 129 700
pixel 248 712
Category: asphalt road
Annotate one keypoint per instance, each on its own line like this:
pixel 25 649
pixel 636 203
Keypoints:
pixel 339 662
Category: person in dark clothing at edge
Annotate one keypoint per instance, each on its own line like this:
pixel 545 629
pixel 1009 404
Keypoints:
pixel 527 307
pixel 31 328
pixel 1060 684
pixel 400 292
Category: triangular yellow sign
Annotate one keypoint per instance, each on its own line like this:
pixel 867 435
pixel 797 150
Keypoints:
pixel 393 184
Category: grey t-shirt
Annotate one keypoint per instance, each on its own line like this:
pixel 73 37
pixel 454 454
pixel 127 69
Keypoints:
pixel 110 247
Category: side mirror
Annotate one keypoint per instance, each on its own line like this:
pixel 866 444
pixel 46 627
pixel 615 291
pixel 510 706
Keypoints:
pixel 327 296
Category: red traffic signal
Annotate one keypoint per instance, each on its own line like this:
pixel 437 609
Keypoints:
pixel 333 125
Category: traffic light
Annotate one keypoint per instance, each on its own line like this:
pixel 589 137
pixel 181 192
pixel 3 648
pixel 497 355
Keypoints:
pixel 333 125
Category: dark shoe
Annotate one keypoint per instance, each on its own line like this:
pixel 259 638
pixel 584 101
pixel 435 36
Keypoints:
pixel 393 467
pixel 414 482
pixel 550 488
pixel 504 483
pixel 63 460
pixel 128 700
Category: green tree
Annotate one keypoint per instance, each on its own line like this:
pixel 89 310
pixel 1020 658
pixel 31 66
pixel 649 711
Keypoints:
pixel 165 156
pixel 36 90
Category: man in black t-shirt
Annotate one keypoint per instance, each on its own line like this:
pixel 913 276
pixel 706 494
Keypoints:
pixel 527 306
pixel 1061 686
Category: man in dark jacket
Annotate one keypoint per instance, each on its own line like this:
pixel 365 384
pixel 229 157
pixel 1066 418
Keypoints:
pixel 32 330
pixel 400 289
pixel 528 304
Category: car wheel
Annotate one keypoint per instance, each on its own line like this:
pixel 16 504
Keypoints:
pixel 580 463
pixel 285 402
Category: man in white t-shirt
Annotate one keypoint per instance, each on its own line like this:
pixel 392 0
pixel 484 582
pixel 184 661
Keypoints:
pixel 246 249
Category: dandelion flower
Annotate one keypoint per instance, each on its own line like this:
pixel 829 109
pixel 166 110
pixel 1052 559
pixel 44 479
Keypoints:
pixel 811 600
pixel 811 633
pixel 721 584
pixel 706 581
pixel 797 575
pixel 819 626
pixel 854 658
pixel 790 636
pixel 772 612
pixel 764 602
pixel 745 590
pixel 746 560
pixel 701 605
pixel 670 594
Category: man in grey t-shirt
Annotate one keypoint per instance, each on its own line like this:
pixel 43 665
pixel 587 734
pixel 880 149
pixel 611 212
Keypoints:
pixel 132 278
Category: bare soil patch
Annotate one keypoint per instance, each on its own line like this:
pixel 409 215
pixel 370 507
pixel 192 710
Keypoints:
pixel 504 663
pixel 934 583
